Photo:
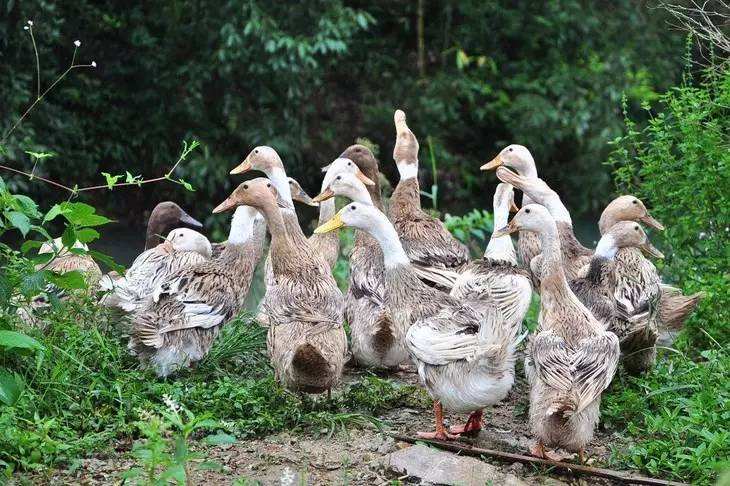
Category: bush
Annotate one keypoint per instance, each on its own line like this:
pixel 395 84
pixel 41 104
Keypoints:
pixel 676 418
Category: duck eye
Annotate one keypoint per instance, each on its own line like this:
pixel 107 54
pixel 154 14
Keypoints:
pixel 268 184
pixel 255 151
pixel 352 208
pixel 245 186
pixel 636 228
pixel 510 149
pixel 635 201
pixel 527 211
pixel 349 164
pixel 338 178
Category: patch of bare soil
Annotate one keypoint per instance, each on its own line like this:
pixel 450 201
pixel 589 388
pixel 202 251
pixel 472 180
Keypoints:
pixel 347 457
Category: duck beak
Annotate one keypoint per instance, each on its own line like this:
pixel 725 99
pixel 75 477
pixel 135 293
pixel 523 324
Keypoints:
pixel 492 164
pixel 190 221
pixel 244 166
pixel 167 245
pixel 324 195
pixel 305 199
pixel 650 249
pixel 364 179
pixel 331 225
pixel 513 207
pixel 649 221
pixel 226 205
pixel 326 167
pixel 507 230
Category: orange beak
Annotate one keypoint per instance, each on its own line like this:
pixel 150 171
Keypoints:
pixel 244 166
pixel 226 205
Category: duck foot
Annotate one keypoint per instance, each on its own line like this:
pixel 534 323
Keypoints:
pixel 472 426
pixel 539 450
pixel 440 433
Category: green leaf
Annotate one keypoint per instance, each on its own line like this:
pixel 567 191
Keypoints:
pixel 176 472
pixel 87 235
pixel 210 466
pixel 186 185
pixel 40 155
pixel 68 238
pixel 220 439
pixel 11 385
pixel 29 245
pixel 19 220
pixel 34 282
pixel 69 280
pixel 29 207
pixel 53 213
pixel 111 180
pixel 82 214
pixel 11 339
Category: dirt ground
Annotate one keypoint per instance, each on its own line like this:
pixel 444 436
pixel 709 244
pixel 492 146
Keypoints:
pixel 347 457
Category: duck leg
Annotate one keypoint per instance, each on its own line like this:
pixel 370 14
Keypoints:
pixel 539 450
pixel 473 424
pixel 441 433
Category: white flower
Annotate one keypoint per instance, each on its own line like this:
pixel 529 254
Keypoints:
pixel 25 28
pixel 77 43
pixel 93 63
pixel 30 22
pixel 171 403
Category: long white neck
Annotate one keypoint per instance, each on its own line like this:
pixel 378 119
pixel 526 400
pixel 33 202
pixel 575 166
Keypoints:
pixel 326 210
pixel 606 247
pixel 278 178
pixel 242 225
pixel 557 209
pixel 408 170
pixel 359 195
pixel 501 248
pixel 393 253
pixel 528 169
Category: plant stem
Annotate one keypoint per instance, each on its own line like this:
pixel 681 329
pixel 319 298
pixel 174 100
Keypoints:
pixel 37 63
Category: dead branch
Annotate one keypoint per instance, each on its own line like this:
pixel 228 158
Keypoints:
pixel 708 21
pixel 621 476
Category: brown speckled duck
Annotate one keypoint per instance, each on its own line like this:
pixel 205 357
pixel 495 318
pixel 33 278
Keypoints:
pixel 425 239
pixel 572 358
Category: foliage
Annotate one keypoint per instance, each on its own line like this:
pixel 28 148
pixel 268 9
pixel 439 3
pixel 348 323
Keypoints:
pixel 310 78
pixel 676 417
pixel 679 166
pixel 474 228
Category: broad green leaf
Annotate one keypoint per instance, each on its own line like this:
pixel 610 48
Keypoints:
pixel 34 282
pixel 29 207
pixel 12 339
pixel 53 213
pixel 176 472
pixel 19 221
pixel 106 260
pixel 70 280
pixel 82 214
pixel 220 439
pixel 11 385
pixel 29 245
pixel 42 258
pixel 86 235
pixel 68 238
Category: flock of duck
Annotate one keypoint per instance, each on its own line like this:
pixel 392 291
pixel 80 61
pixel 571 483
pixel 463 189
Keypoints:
pixel 414 294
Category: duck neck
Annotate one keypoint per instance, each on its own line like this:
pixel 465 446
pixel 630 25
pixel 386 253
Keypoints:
pixel 278 178
pixel 557 209
pixel 501 247
pixel 280 243
pixel 406 198
pixel 374 190
pixel 241 225
pixel 326 211
pixel 553 275
pixel 607 220
pixel 393 253
pixel 528 170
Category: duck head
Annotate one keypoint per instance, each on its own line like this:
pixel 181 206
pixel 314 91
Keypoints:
pixel 258 193
pixel 185 239
pixel 262 158
pixel 533 217
pixel 348 185
pixel 514 156
pixel 405 152
pixel 363 158
pixel 165 217
pixel 299 194
pixel 504 197
pixel 626 208
pixel 626 234
pixel 338 167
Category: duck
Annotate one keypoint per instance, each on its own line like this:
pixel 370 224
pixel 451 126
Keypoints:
pixel 298 194
pixel 186 311
pixel 519 158
pixel 425 238
pixel 306 339
pixel 376 340
pixel 575 256
pixel 65 260
pixel 182 247
pixel 165 217
pixel 647 304
pixel 571 359
pixel 328 244
pixel 465 358
pixel 596 289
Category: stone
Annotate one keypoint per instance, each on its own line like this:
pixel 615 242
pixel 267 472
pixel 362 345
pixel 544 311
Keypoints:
pixel 441 467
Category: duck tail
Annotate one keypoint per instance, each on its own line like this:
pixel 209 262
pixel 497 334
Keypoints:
pixel 563 407
pixel 383 339
pixel 675 307
pixel 441 277
pixel 308 363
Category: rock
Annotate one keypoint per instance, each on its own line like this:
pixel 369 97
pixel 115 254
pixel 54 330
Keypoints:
pixel 388 445
pixel 440 467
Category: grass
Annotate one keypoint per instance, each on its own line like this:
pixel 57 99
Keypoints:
pixel 84 392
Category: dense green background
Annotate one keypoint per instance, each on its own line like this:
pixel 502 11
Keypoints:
pixel 309 78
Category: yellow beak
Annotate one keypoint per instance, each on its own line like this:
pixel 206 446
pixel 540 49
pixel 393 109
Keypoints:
pixel 492 164
pixel 244 166
pixel 364 179
pixel 331 225
pixel 326 194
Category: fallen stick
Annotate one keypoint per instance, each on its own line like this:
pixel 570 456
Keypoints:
pixel 580 469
